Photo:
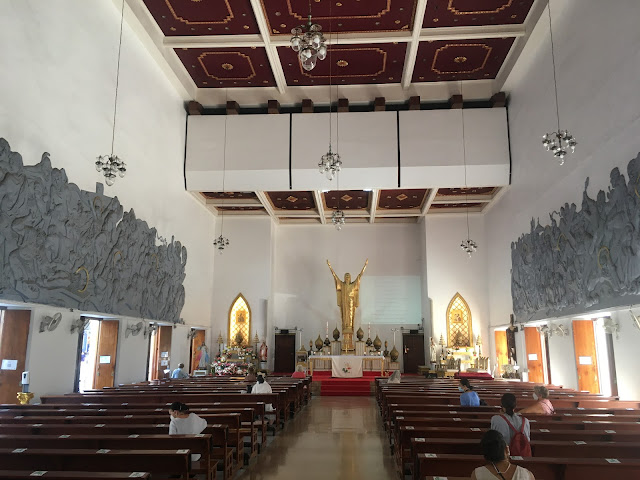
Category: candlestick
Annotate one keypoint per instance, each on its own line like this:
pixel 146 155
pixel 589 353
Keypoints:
pixel 327 328
pixel 369 333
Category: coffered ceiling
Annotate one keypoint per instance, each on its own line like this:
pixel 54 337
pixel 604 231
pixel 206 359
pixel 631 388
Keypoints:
pixel 360 206
pixel 400 47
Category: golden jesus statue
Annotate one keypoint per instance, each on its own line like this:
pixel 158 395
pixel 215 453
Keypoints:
pixel 348 295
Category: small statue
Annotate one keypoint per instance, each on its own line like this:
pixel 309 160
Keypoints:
pixel 432 351
pixel 264 350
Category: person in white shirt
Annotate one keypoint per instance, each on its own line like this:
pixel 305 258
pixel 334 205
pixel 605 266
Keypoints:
pixel 184 422
pixel 179 373
pixel 262 386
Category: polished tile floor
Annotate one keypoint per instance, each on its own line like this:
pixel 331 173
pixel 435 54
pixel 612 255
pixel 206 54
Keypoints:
pixel 337 438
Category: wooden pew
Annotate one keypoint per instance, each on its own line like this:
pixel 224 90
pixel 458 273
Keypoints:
pixel 160 463
pixel 58 475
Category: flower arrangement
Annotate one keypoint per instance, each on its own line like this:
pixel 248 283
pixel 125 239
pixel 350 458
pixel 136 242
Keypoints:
pixel 230 368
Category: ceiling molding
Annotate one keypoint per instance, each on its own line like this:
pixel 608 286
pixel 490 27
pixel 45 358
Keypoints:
pixel 266 203
pixel 374 197
pixel 318 197
pixel 272 53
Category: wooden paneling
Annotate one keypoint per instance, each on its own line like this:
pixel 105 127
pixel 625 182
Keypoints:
pixel 285 353
pixel 585 346
pixel 14 334
pixel 534 347
pixel 196 342
pixel 501 349
pixel 413 352
pixel 107 347
pixel 163 344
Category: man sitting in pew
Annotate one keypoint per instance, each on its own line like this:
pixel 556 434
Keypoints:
pixel 510 423
pixel 179 373
pixel 183 422
pixel 543 405
pixel 496 453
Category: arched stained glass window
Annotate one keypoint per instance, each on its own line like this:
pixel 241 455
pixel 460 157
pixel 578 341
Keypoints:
pixel 459 331
pixel 239 321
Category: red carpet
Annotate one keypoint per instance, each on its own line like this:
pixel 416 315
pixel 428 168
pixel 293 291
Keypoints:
pixel 350 387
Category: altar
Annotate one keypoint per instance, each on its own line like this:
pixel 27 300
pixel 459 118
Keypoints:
pixel 346 366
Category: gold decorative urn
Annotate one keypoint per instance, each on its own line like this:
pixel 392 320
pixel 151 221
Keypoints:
pixel 336 334
pixel 24 397
pixel 377 343
pixel 394 354
pixel 319 343
pixel 360 334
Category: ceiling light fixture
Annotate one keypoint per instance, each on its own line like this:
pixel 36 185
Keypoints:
pixel 112 165
pixel 560 141
pixel 222 242
pixel 309 43
pixel 468 246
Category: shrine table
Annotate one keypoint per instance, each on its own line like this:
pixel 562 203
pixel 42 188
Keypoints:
pixel 346 366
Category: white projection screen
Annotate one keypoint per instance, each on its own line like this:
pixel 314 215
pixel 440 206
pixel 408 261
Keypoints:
pixel 390 300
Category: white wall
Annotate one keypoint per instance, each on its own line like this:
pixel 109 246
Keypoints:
pixel 597 87
pixel 59 59
pixel 625 347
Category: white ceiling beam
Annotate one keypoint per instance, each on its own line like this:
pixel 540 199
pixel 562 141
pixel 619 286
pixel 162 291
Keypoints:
pixel 375 195
pixel 427 204
pixel 473 32
pixel 272 53
pixel 267 206
pixel 214 41
pixel 495 199
pixel 356 38
pixel 317 195
pixel 412 46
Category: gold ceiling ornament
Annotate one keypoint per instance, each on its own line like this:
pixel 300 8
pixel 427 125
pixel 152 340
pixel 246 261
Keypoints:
pixel 227 66
pixel 342 63
pixel 460 59
pixel 402 197
pixel 346 197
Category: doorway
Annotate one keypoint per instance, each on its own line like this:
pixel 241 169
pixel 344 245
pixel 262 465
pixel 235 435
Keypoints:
pixel 586 357
pixel 14 335
pixel 285 353
pixel 502 357
pixel 413 351
pixel 97 350
pixel 160 353
pixel 535 363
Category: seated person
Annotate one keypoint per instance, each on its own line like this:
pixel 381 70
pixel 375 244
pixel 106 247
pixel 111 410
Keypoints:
pixel 251 374
pixel 496 453
pixel 468 398
pixel 543 405
pixel 299 373
pixel 263 387
pixel 395 377
pixel 179 373
pixel 509 421
pixel 184 422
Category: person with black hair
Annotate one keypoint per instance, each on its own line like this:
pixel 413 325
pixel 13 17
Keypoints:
pixel 468 398
pixel 509 422
pixel 496 453
pixel 183 422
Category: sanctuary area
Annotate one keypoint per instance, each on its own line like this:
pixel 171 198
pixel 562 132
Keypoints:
pixel 319 239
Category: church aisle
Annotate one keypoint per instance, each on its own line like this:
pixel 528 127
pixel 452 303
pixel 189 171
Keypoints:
pixel 337 438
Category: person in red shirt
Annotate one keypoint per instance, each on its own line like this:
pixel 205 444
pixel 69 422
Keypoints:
pixel 299 373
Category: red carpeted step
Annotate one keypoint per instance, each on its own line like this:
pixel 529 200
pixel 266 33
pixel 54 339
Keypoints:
pixel 344 386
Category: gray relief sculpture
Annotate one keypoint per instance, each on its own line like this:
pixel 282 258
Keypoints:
pixel 63 246
pixel 584 256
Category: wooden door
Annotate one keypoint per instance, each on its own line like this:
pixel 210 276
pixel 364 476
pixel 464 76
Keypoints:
pixel 502 357
pixel 413 352
pixel 196 342
pixel 586 360
pixel 153 355
pixel 163 351
pixel 106 354
pixel 14 334
pixel 285 353
pixel 534 354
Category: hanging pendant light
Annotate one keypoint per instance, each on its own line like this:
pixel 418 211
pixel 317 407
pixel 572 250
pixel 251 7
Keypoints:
pixel 222 242
pixel 561 141
pixel 309 43
pixel 111 165
pixel 467 245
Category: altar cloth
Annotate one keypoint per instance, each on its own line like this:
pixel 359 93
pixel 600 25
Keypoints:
pixel 346 366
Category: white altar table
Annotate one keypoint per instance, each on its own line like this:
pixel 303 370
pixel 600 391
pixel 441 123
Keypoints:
pixel 346 366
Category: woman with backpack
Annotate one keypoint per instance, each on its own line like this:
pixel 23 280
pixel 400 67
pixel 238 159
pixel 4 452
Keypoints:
pixel 514 428
pixel 496 453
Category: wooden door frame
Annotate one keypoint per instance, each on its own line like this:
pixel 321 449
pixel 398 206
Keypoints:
pixel 97 360
pixel 532 334
pixel 594 357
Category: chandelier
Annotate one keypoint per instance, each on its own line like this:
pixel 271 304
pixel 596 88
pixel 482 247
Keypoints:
pixel 221 242
pixel 112 165
pixel 467 245
pixel 330 164
pixel 338 219
pixel 560 141
pixel 309 43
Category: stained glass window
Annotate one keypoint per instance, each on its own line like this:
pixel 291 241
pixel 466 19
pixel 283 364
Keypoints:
pixel 239 321
pixel 459 331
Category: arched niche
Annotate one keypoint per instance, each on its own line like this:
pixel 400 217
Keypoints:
pixel 459 326
pixel 240 320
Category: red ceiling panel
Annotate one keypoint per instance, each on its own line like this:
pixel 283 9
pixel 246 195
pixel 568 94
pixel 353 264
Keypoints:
pixel 460 59
pixel 250 208
pixel 402 199
pixel 447 192
pixel 203 17
pixel 340 16
pixel 289 200
pixel 224 195
pixel 458 13
pixel 346 199
pixel 349 65
pixel 240 67
pixel 460 206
